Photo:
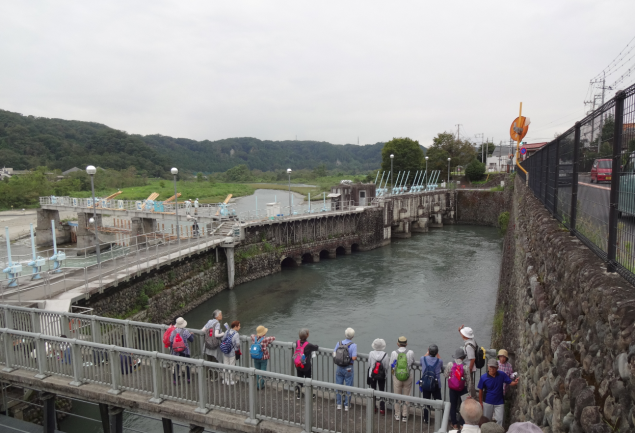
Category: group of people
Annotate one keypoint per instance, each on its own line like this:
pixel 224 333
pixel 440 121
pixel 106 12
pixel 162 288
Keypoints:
pixel 188 207
pixel 223 345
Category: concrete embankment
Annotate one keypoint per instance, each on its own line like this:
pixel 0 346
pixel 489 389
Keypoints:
pixel 568 325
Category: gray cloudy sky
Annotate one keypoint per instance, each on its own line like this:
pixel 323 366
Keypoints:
pixel 327 70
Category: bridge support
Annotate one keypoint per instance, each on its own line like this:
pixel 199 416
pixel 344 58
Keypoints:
pixel 402 230
pixel 348 250
pixel 103 412
pixel 115 418
pixel 420 225
pixel 44 232
pixel 436 220
pixel 85 232
pixel 316 257
pixel 167 425
pixel 333 253
pixel 49 419
pixel 231 270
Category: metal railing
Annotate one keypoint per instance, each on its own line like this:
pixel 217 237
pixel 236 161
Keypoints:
pixel 316 207
pixel 208 385
pixel 586 180
pixel 126 257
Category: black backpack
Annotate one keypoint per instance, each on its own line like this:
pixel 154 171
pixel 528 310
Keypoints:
pixel 378 372
pixel 342 355
pixel 479 362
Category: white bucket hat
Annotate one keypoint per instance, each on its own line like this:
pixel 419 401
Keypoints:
pixel 181 323
pixel 379 344
pixel 467 332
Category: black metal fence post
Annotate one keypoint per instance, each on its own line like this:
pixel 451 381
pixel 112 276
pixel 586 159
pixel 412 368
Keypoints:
pixel 574 179
pixel 615 180
pixel 556 178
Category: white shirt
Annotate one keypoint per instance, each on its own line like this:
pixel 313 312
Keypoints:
pixel 410 356
pixel 469 346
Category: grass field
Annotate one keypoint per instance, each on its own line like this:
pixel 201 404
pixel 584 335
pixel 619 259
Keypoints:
pixel 204 191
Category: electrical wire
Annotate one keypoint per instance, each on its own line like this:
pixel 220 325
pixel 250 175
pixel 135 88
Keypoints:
pixel 613 64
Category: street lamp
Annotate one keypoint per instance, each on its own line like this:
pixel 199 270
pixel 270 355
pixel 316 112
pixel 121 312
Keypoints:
pixel 290 207
pixel 426 175
pixel 392 157
pixel 449 172
pixel 175 171
pixel 91 170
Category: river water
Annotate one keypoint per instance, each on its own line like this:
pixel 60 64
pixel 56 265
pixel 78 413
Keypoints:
pixel 424 288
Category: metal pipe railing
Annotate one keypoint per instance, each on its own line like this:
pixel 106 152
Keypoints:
pixel 207 385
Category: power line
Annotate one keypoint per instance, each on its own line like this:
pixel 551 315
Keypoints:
pixel 618 58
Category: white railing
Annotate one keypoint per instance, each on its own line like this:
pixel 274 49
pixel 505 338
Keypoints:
pixel 208 385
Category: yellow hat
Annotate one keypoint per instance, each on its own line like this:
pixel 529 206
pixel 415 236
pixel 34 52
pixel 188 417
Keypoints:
pixel 503 352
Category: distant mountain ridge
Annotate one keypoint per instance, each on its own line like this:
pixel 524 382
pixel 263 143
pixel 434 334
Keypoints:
pixel 28 141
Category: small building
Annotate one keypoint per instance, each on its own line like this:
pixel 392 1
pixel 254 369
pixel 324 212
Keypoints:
pixel 348 193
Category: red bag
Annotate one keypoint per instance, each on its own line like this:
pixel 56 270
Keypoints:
pixel 178 345
pixel 166 336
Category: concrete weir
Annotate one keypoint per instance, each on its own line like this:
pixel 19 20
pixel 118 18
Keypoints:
pixel 224 257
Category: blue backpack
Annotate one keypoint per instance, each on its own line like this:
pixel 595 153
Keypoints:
pixel 256 349
pixel 227 344
pixel 429 381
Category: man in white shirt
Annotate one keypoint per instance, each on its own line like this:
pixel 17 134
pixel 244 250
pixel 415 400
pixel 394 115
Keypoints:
pixel 471 412
pixel 469 345
pixel 401 361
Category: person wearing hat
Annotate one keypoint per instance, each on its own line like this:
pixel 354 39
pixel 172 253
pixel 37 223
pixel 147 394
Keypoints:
pixel 378 355
pixel 492 383
pixel 469 345
pixel 261 364
pixel 505 366
pixel 401 361
pixel 455 395
pixel 344 375
pixel 179 328
pixel 196 207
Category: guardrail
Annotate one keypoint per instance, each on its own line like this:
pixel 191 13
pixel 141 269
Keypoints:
pixel 208 385
pixel 148 337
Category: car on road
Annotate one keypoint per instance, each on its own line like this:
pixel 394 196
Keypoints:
pixel 601 170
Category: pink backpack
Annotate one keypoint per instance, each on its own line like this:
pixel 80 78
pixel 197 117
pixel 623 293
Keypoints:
pixel 178 345
pixel 456 380
pixel 298 356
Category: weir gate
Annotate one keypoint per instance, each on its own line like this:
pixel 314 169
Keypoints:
pixel 123 365
pixel 139 243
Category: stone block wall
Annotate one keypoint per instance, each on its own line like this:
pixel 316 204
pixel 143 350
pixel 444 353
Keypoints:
pixel 568 325
pixel 482 207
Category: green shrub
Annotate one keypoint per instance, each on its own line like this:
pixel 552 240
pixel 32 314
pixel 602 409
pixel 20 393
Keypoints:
pixel 475 170
pixel 503 221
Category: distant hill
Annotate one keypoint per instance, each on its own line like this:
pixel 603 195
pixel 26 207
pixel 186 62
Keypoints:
pixel 28 142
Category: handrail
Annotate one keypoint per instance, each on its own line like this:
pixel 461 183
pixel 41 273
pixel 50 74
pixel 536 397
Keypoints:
pixel 162 377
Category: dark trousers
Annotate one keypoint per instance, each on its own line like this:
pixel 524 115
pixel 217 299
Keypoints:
pixel 430 395
pixel 381 384
pixel 177 368
pixel 302 374
pixel 455 404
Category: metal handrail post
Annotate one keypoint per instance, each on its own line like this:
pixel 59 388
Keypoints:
pixel 252 398
pixel 308 403
pixel 76 361
pixel 370 411
pixel 95 330
pixel 157 384
pixel 41 360
pixel 114 374
pixel 35 322
pixel 202 389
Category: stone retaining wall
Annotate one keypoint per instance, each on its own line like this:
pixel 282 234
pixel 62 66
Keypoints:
pixel 483 207
pixel 568 325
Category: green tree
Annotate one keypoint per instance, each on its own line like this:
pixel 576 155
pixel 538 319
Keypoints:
pixel 320 171
pixel 444 146
pixel 475 170
pixel 199 177
pixel 239 173
pixel 408 156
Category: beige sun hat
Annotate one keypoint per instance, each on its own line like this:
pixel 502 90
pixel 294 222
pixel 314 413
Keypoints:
pixel 502 352
pixel 180 323
pixel 261 330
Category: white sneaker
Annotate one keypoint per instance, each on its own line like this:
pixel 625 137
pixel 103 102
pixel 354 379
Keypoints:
pixel 345 408
pixel 404 419
pixel 339 407
pixel 397 417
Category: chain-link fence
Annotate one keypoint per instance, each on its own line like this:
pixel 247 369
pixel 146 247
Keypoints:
pixel 586 179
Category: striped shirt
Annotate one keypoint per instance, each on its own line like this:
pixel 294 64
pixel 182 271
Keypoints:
pixel 508 370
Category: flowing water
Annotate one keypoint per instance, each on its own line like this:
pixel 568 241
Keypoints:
pixel 423 288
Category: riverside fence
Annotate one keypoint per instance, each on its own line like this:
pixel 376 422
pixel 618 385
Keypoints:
pixel 586 180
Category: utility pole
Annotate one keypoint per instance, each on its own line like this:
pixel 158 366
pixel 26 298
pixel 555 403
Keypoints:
pixel 458 131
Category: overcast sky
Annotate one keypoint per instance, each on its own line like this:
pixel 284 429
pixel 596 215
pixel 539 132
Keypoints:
pixel 329 70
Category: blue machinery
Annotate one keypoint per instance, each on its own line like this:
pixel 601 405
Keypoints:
pixel 419 183
pixel 58 256
pixel 14 268
pixel 37 261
